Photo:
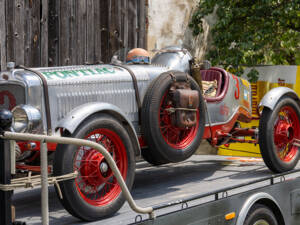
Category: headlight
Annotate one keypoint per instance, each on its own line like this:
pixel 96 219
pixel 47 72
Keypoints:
pixel 25 118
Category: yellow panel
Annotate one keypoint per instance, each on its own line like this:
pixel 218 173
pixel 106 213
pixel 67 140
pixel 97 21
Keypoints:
pixel 241 149
pixel 297 84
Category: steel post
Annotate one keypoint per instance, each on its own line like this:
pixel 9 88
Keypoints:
pixel 44 176
pixel 5 177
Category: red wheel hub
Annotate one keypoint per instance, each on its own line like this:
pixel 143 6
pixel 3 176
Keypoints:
pixel 177 138
pixel 95 182
pixel 95 170
pixel 286 131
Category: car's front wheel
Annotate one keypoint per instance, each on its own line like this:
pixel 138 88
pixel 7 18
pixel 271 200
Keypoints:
pixel 95 193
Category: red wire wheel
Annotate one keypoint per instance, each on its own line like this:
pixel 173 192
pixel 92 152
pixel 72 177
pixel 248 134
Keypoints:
pixel 176 137
pixel 286 132
pixel 95 180
pixel 167 142
pixel 279 135
pixel 95 193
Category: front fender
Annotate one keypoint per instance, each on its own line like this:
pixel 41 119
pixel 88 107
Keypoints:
pixel 82 112
pixel 271 97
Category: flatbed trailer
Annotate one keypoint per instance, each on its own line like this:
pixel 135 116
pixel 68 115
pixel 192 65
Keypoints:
pixel 201 190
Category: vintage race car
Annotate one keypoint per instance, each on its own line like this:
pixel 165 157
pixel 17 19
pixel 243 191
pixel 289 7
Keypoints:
pixel 160 110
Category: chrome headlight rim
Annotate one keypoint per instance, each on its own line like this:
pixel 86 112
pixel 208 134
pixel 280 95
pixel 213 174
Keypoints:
pixel 25 118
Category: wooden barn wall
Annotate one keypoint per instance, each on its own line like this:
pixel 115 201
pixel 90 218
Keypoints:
pixel 69 32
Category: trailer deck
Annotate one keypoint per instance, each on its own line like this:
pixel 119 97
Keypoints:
pixel 155 186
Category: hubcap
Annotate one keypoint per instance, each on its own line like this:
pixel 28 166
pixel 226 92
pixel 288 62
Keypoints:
pixel 286 132
pixel 103 168
pixel 95 181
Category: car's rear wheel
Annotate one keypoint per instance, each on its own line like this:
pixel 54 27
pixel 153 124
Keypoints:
pixel 166 141
pixel 95 193
pixel 279 135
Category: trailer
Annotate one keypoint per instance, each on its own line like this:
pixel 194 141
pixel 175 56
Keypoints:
pixel 205 189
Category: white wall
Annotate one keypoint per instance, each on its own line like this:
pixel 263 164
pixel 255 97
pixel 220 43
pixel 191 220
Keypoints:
pixel 168 25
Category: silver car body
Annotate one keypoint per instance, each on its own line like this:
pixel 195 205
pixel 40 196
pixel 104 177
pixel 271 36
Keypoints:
pixel 75 92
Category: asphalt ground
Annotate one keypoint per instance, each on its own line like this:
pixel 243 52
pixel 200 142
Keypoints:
pixel 153 186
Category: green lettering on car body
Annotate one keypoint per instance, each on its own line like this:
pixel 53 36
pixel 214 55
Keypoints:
pixel 66 74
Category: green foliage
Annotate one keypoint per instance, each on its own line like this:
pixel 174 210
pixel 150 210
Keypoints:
pixel 249 33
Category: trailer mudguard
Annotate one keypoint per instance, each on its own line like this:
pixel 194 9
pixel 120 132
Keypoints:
pixel 80 113
pixel 261 196
pixel 272 97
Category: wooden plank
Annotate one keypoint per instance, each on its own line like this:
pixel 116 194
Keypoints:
pixel 125 23
pixel 90 32
pixel 53 33
pixel 97 22
pixel 132 20
pixel 32 56
pixel 2 36
pixel 64 33
pixel 73 33
pixel 142 24
pixel 104 9
pixel 81 31
pixel 19 32
pixel 10 48
pixel 28 32
pixel 119 25
pixel 44 33
pixel 113 15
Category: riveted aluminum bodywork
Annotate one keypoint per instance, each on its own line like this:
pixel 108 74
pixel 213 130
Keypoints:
pixel 71 87
pixel 220 112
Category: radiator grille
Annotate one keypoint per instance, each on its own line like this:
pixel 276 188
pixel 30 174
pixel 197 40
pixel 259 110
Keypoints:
pixel 11 95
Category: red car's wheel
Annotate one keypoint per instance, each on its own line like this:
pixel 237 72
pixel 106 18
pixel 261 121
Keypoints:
pixel 168 142
pixel 279 135
pixel 95 192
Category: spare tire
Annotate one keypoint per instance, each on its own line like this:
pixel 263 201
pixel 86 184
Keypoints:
pixel 166 141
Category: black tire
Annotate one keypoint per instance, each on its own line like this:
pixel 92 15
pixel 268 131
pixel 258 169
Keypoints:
pixel 159 150
pixel 277 150
pixel 78 194
pixel 154 160
pixel 260 214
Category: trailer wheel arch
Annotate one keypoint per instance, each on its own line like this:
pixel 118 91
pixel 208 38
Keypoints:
pixel 263 199
pixel 74 118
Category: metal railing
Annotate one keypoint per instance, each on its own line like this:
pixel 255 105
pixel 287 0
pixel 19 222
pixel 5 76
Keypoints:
pixel 43 139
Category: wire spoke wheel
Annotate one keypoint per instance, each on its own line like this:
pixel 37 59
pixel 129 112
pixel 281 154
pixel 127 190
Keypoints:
pixel 176 137
pixel 167 141
pixel 95 192
pixel 286 130
pixel 95 180
pixel 279 134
